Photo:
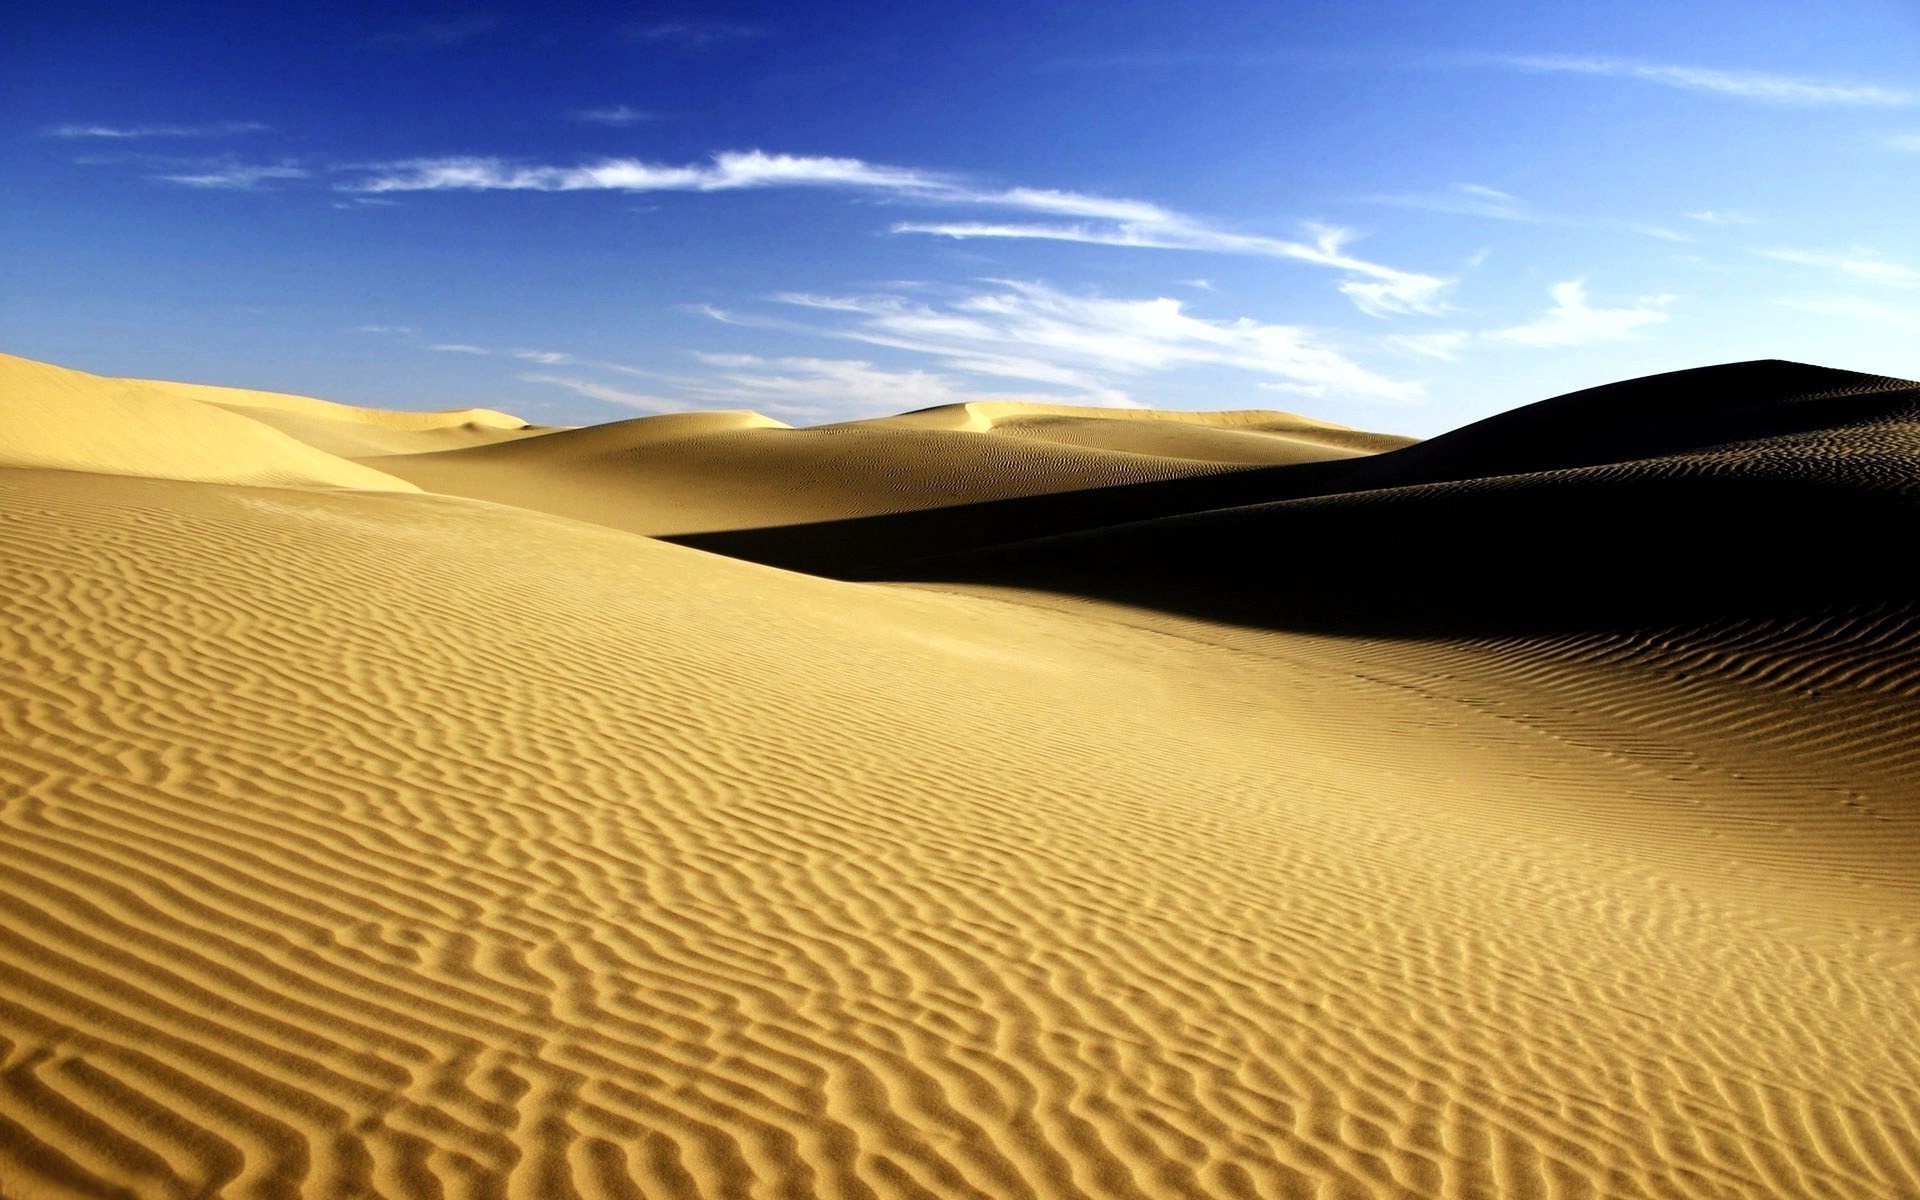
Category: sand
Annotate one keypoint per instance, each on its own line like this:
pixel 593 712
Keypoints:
pixel 367 840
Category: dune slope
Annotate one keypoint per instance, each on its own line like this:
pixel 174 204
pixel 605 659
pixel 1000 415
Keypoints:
pixel 52 417
pixel 1685 412
pixel 380 843
pixel 696 472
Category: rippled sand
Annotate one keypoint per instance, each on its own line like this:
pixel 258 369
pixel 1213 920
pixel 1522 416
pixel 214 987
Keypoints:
pixel 360 839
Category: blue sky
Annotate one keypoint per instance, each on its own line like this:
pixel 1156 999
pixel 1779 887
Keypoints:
pixel 1401 214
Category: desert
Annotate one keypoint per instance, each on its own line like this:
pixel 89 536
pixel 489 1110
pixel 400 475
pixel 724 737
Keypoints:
pixel 1000 799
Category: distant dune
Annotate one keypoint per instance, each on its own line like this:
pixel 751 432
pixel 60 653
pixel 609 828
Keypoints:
pixel 696 472
pixel 998 800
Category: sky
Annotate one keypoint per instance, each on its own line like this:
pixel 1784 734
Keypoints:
pixel 1397 214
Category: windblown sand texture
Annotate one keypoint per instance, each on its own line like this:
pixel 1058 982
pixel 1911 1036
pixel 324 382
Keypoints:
pixel 1085 804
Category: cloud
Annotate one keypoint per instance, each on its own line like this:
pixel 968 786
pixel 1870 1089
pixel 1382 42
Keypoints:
pixel 1037 334
pixel 1096 220
pixel 397 330
pixel 1479 200
pixel 1855 264
pixel 693 33
pixel 1899 316
pixel 235 177
pixel 619 116
pixel 724 172
pixel 1444 346
pixel 1905 141
pixel 219 129
pixel 594 390
pixel 1791 91
pixel 1467 199
pixel 546 358
pixel 1375 289
pixel 820 386
pixel 1720 217
pixel 449 32
pixel 1573 322
pixel 459 348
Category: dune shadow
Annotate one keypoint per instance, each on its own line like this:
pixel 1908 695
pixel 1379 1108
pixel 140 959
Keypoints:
pixel 1747 490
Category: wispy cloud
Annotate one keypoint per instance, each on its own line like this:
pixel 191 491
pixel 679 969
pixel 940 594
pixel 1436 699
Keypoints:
pixel 394 330
pixel 815 387
pixel 1444 346
pixel 1572 321
pixel 1857 264
pixel 1713 216
pixel 1795 91
pixel 458 348
pixel 693 33
pixel 1905 141
pixel 449 32
pixel 1375 289
pixel 724 172
pixel 1039 335
pixel 1467 199
pixel 1079 217
pixel 238 177
pixel 595 390
pixel 1479 200
pixel 619 116
pixel 218 129
pixel 1852 308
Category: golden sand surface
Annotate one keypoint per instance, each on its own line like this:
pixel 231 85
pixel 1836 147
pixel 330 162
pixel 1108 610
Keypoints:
pixel 364 840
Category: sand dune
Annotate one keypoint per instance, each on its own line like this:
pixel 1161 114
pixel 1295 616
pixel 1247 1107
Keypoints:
pixel 365 842
pixel 694 472
pixel 51 417
pixel 352 432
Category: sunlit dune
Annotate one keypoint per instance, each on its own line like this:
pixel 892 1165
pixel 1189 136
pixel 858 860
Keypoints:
pixel 995 801
pixel 698 472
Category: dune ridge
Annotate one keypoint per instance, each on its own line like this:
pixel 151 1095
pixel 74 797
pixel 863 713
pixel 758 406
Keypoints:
pixel 52 417
pixel 380 842
pixel 696 472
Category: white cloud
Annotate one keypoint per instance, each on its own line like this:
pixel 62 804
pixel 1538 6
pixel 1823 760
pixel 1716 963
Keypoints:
pixel 1099 220
pixel 1758 86
pixel 1899 316
pixel 546 358
pixel 1479 200
pixel 1656 231
pixel 619 116
pixel 235 177
pixel 693 33
pixel 1712 216
pixel 1573 322
pixel 1445 346
pixel 1037 334
pixel 1466 199
pixel 1375 289
pixel 594 390
pixel 1854 264
pixel 124 132
pixel 819 386
pixel 398 330
pixel 458 348
pixel 725 172
pixel 1905 141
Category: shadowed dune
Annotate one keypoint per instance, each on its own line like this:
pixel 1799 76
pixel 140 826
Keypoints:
pixel 1671 413
pixel 369 842
pixel 706 471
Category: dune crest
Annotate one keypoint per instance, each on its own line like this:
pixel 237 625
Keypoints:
pixel 51 417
